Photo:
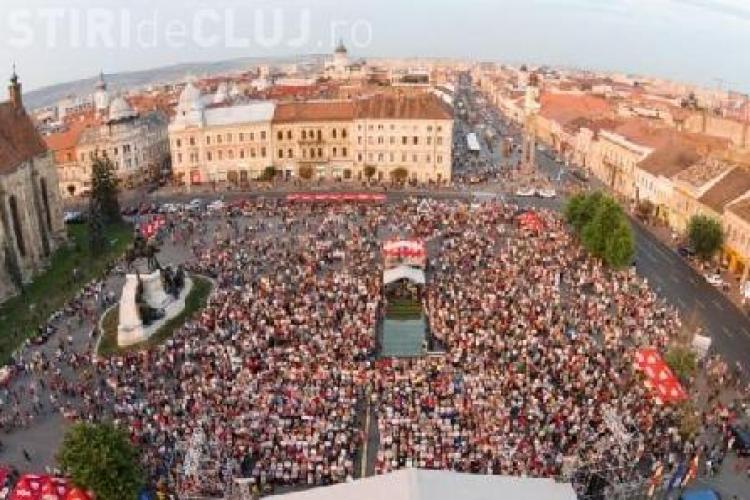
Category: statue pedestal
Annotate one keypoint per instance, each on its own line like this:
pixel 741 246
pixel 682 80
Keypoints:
pixel 131 329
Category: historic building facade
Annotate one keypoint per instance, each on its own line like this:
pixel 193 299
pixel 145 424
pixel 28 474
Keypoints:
pixel 327 139
pixel 31 222
pixel 136 143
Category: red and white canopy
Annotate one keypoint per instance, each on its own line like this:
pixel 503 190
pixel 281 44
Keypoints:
pixel 404 248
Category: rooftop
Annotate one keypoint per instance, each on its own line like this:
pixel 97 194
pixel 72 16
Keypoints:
pixel 314 111
pixel 246 113
pixel 703 172
pixel 19 140
pixel 403 107
pixel 741 209
pixel 735 184
pixel 564 108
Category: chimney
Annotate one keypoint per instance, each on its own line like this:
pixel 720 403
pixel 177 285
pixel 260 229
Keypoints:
pixel 14 91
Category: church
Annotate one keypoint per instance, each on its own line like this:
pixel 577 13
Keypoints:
pixel 31 221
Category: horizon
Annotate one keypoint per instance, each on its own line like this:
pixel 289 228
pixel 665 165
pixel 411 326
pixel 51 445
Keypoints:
pixel 688 41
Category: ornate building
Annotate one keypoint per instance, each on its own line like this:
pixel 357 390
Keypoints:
pixel 31 222
pixel 135 142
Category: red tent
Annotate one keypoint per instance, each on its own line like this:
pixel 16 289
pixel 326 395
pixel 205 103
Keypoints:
pixel 659 377
pixel 41 487
pixel 78 494
pixel 530 220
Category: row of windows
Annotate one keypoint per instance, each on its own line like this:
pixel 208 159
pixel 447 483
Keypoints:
pixel 393 127
pixel 381 157
pixel 405 140
pixel 230 155
pixel 221 138
pixel 313 153
pixel 311 134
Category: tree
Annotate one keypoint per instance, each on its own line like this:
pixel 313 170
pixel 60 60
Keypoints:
pixel 682 362
pixel 369 171
pixel 619 245
pixel 399 174
pixel 645 209
pixel 306 172
pixel 104 190
pixel 596 232
pixel 268 173
pixel 581 208
pixel 97 238
pixel 705 236
pixel 100 458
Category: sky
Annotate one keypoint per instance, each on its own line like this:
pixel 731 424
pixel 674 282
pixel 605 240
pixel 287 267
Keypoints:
pixel 696 41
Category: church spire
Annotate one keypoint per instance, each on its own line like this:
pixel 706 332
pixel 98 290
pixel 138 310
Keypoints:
pixel 14 90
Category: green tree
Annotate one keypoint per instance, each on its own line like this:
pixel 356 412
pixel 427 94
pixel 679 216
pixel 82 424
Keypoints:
pixel 581 208
pixel 97 238
pixel 682 361
pixel 306 172
pixel 705 235
pixel 100 457
pixel 619 245
pixel 597 231
pixel 268 173
pixel 369 171
pixel 399 174
pixel 104 190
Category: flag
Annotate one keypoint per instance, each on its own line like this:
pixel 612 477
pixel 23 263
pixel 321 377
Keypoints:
pixel 656 479
pixel 692 472
pixel 677 478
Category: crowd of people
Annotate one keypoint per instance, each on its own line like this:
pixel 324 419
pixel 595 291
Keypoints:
pixel 273 378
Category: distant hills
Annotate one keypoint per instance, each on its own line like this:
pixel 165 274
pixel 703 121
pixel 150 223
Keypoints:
pixel 47 96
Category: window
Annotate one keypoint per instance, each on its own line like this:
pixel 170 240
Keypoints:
pixel 208 140
pixel 429 128
pixel 242 154
pixel 343 152
pixel 393 140
pixel 192 141
pixel 440 159
pixel 335 151
pixel 18 232
pixel 403 157
pixel 439 129
pixel 380 157
pixel 312 152
pixel 263 136
pixel 242 137
pixel 280 135
pixel 218 139
pixel 290 154
pixel 429 141
pixel 428 159
pixel 263 152
pixel 380 140
pixel 209 156
pixel 45 201
pixel 392 158
pixel 281 153
pixel 179 158
pixel 289 134
pixel 343 133
pixel 404 140
pixel 359 140
pixel 304 153
pixel 221 155
pixel 359 157
pixel 414 158
pixel 439 141
pixel 320 152
pixel 333 133
pixel 252 136
pixel 252 152
pixel 320 135
pixel 178 143
pixel 415 140
pixel 230 154
pixel 304 135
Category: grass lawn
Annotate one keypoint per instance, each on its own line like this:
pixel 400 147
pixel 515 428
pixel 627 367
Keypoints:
pixel 403 309
pixel 20 316
pixel 195 301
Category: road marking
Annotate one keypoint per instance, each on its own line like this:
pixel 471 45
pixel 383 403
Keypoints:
pixel 700 304
pixel 681 303
pixel 718 304
pixel 650 255
pixel 727 331
pixel 674 279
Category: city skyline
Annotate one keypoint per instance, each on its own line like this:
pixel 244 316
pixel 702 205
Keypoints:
pixel 692 41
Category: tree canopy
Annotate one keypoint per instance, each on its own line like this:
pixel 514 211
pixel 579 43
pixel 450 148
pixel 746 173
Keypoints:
pixel 603 227
pixel 104 190
pixel 100 458
pixel 705 235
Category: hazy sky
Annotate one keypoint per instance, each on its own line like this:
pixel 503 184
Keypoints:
pixel 699 41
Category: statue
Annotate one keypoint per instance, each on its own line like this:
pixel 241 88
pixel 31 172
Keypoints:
pixel 143 249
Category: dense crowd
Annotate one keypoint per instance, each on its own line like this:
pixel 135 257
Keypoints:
pixel 273 378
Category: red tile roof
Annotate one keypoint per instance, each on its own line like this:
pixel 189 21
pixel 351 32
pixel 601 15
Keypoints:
pixel 735 184
pixel 564 108
pixel 413 107
pixel 313 111
pixel 19 140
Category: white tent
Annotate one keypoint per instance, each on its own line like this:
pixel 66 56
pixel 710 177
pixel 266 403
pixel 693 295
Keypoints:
pixel 403 272
pixel 418 484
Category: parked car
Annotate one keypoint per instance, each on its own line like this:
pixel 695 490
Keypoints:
pixel 546 193
pixel 74 218
pixel 714 279
pixel 216 205
pixel 686 252
pixel 525 192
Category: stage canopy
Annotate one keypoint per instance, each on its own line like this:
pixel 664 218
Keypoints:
pixel 418 484
pixel 403 272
